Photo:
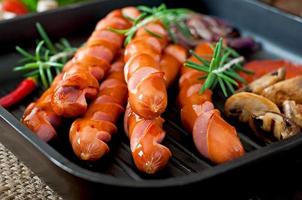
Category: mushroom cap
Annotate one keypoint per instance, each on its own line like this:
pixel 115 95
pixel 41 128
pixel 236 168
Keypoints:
pixel 244 104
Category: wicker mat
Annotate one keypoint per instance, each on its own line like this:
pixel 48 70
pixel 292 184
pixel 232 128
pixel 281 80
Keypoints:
pixel 19 182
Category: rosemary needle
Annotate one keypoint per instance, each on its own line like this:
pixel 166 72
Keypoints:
pixel 221 70
pixel 47 60
pixel 168 17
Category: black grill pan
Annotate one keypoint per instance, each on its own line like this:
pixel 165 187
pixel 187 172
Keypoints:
pixel 187 170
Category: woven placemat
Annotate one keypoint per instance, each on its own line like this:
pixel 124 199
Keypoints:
pixel 19 182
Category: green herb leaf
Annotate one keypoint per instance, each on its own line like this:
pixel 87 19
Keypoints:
pixel 54 64
pixel 65 43
pixel 145 9
pixel 162 7
pixel 215 83
pixel 196 66
pixel 32 73
pixel 199 58
pixel 139 18
pixel 27 67
pixel 45 38
pixel 24 60
pixel 128 39
pixel 24 53
pixel 203 77
pixel 228 79
pixel 222 70
pixel 128 17
pixel 232 51
pixel 118 31
pixel 222 86
pixel 234 75
pixel 60 46
pixel 31 4
pixel 168 17
pixel 49 75
pixel 183 29
pixel 153 33
pixel 208 83
pixel 216 56
pixel 46 54
pixel 42 76
pixel 44 62
pixel 224 58
pixel 38 50
pixel 230 86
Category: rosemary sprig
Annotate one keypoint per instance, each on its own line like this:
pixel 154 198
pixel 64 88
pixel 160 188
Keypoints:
pixel 48 59
pixel 168 17
pixel 221 70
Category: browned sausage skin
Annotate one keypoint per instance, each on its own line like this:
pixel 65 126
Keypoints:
pixel 89 135
pixel 68 95
pixel 146 134
pixel 213 137
pixel 146 84
pixel 39 116
pixel 89 65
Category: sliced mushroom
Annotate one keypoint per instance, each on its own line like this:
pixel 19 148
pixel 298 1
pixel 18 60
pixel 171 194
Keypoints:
pixel 244 104
pixel 290 89
pixel 293 111
pixel 272 126
pixel 258 85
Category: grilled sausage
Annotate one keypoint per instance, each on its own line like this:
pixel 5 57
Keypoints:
pixel 146 83
pixel 39 116
pixel 89 135
pixel 89 65
pixel 146 134
pixel 213 137
pixel 78 82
